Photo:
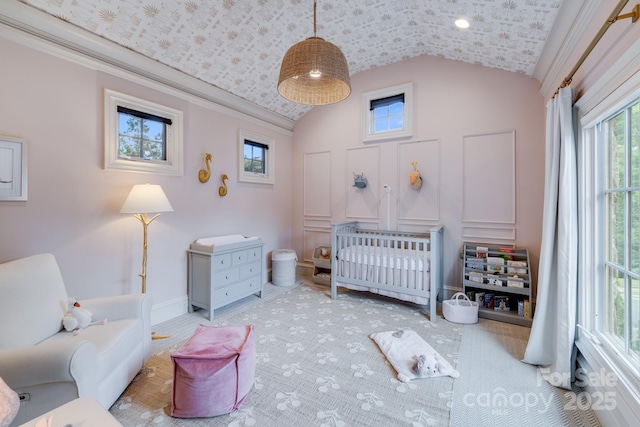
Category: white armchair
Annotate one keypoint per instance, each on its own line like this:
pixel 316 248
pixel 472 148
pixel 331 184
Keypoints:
pixel 48 366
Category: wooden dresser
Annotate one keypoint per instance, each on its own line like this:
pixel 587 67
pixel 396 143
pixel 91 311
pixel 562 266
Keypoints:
pixel 224 273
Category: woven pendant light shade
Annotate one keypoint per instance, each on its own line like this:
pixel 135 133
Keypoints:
pixel 314 71
pixel 314 54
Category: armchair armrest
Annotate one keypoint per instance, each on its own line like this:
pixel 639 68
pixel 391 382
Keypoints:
pixel 51 362
pixel 135 306
pixel 119 307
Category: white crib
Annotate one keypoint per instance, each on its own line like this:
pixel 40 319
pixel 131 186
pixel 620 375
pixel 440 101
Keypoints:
pixel 399 264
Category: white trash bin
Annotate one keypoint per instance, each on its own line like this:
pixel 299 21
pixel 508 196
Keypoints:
pixel 283 267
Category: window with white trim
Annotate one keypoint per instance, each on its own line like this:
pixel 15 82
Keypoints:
pixel 618 213
pixel 609 197
pixel 256 158
pixel 387 113
pixel 141 135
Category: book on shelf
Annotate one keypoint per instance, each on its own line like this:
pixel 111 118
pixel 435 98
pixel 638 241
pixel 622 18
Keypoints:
pixel 482 252
pixel 475 263
pixel 476 276
pixel 515 282
pixel 492 279
pixel 495 264
pixel 501 303
pixel 480 299
pixel 488 300
pixel 516 267
pixel 520 307
pixel 506 253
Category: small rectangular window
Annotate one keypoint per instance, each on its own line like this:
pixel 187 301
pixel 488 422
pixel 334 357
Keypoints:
pixel 141 135
pixel 387 113
pixel 256 155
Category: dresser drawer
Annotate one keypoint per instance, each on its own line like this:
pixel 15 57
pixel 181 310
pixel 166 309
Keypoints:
pixel 254 254
pixel 221 261
pixel 228 294
pixel 238 258
pixel 248 270
pixel 225 277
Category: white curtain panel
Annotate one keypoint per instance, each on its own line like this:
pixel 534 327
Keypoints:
pixel 551 343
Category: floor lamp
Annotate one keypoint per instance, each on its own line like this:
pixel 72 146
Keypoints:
pixel 142 199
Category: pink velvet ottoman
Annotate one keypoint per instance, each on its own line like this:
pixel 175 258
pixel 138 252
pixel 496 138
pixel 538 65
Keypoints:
pixel 213 371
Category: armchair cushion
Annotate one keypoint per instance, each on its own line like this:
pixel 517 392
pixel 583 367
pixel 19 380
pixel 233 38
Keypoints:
pixel 36 300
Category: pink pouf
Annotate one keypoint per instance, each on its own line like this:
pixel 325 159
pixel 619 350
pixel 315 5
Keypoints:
pixel 213 371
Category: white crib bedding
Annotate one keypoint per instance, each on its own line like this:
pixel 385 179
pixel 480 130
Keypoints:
pixel 387 266
pixel 382 257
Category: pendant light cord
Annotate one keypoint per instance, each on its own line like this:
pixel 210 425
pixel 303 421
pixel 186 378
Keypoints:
pixel 314 17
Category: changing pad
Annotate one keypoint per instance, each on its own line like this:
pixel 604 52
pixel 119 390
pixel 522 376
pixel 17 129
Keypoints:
pixel 402 348
pixel 223 240
pixel 232 241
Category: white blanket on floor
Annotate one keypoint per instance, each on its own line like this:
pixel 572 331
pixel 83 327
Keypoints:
pixel 404 348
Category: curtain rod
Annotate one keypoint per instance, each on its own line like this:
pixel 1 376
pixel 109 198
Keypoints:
pixel 613 18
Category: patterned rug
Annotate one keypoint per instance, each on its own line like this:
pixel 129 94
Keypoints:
pixel 316 366
pixel 496 389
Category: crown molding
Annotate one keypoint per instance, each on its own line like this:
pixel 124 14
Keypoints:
pixel 33 28
pixel 573 19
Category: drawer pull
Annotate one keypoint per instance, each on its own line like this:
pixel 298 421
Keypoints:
pixel 226 277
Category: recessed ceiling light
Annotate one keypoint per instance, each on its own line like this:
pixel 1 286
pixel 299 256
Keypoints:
pixel 462 23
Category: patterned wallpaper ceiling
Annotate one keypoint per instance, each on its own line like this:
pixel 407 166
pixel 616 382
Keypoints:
pixel 237 45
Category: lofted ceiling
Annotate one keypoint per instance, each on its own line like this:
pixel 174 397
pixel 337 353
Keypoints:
pixel 237 45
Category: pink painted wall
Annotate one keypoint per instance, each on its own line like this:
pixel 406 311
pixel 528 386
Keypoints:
pixel 73 203
pixel 451 100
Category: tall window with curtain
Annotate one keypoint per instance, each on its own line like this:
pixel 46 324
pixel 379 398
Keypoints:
pixel 618 284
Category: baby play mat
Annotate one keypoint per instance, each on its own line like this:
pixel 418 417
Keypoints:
pixel 404 349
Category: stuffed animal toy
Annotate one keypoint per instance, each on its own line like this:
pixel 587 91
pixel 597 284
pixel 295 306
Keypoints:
pixel 425 365
pixel 76 318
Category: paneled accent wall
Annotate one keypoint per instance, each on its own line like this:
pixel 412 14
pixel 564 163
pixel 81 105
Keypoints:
pixel 489 186
pixel 423 204
pixel 317 185
pixel 363 203
pixel 317 201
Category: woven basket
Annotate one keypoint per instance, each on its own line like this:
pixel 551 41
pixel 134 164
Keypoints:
pixel 459 310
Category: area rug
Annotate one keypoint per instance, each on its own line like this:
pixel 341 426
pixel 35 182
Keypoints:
pixel 497 389
pixel 316 366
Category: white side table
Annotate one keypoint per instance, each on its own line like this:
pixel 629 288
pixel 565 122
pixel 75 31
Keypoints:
pixel 84 411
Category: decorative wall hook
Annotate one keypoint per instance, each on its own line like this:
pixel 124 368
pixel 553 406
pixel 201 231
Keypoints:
pixel 416 179
pixel 204 175
pixel 360 181
pixel 222 190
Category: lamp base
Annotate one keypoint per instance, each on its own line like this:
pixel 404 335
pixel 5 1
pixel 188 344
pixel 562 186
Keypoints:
pixel 158 337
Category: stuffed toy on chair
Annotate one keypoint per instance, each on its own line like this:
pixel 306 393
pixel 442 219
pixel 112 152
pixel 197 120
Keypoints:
pixel 77 318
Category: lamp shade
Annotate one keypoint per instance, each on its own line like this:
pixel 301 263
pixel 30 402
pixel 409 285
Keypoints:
pixel 314 72
pixel 145 198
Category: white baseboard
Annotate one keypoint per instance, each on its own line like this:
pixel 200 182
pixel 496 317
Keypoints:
pixel 169 309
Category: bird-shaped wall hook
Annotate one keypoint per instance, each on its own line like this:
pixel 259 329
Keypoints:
pixel 204 175
pixel 222 190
